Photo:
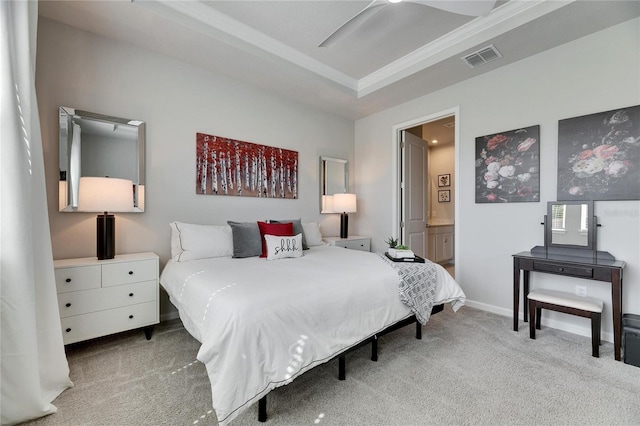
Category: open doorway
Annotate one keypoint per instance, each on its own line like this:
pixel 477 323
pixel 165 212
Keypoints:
pixel 426 187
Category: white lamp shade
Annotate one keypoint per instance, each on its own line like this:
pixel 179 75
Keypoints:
pixel 103 194
pixel 344 203
pixel 327 204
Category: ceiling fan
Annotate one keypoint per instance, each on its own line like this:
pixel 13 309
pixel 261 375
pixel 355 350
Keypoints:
pixel 461 7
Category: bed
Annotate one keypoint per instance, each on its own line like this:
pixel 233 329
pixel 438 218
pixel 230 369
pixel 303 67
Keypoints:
pixel 263 323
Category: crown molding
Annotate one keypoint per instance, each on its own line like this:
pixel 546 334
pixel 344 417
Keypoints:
pixel 501 20
pixel 207 20
pixel 216 24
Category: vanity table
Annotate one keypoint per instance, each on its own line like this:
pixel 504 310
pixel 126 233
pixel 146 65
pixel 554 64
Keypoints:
pixel 605 270
pixel 570 249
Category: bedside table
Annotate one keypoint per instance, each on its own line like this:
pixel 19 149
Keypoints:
pixel 101 297
pixel 352 242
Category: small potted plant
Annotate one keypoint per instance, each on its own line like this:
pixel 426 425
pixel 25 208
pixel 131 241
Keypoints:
pixel 392 242
pixel 398 251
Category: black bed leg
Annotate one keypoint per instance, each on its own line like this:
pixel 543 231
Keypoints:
pixel 374 348
pixel 341 367
pixel 262 409
pixel 418 330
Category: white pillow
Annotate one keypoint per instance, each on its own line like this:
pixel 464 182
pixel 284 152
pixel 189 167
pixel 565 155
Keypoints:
pixel 312 234
pixel 191 242
pixel 282 247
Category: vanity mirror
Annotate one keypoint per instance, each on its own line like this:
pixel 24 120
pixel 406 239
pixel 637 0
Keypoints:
pixel 570 224
pixel 334 179
pixel 96 145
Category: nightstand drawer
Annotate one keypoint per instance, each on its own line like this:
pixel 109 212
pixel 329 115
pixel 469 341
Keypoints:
pixel 364 244
pixel 82 302
pixel 96 324
pixel 78 278
pixel 128 272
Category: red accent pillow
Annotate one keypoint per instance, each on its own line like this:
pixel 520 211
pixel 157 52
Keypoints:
pixel 277 229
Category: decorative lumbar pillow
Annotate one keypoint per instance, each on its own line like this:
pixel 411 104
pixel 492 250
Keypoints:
pixel 190 241
pixel 247 241
pixel 312 234
pixel 283 247
pixel 297 229
pixel 277 229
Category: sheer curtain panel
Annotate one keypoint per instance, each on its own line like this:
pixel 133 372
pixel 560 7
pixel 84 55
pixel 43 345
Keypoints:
pixel 34 369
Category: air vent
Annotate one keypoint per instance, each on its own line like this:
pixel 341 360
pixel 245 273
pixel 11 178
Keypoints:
pixel 449 124
pixel 482 56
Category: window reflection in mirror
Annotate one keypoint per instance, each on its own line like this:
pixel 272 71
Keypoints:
pixel 96 145
pixel 570 224
pixel 334 179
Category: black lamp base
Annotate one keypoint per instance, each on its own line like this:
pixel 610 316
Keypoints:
pixel 344 225
pixel 106 236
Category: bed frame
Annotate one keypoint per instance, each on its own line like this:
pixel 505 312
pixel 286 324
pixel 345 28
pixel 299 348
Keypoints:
pixel 262 403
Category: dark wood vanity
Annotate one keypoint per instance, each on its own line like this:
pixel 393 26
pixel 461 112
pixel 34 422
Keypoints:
pixel 570 250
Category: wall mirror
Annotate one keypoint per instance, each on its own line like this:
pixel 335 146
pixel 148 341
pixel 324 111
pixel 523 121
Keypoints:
pixel 334 179
pixel 570 224
pixel 96 145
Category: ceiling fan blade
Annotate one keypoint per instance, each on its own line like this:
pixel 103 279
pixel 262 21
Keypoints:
pixel 461 7
pixel 348 27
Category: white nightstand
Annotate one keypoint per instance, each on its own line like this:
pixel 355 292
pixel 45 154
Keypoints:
pixel 101 297
pixel 353 242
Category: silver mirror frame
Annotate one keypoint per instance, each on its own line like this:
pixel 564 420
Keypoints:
pixel 332 179
pixel 587 242
pixel 68 193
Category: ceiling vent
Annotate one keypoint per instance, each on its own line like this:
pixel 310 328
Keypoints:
pixel 482 56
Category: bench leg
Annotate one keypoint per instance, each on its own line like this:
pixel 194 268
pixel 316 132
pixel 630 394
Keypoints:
pixel 595 334
pixel 538 316
pixel 341 368
pixel 534 313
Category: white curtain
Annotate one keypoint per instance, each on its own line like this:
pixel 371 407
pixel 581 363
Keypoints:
pixel 34 368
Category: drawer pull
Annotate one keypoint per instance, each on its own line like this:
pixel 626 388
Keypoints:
pixel 68 280
pixel 130 294
pixel 68 330
pixel 68 305
pixel 130 316
pixel 130 272
pixel 561 269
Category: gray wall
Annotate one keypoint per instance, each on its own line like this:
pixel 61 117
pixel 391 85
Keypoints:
pixel 176 100
pixel 564 82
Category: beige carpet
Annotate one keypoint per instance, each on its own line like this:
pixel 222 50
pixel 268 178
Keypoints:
pixel 470 368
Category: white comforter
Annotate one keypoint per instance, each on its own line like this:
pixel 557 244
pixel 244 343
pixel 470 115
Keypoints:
pixel 262 323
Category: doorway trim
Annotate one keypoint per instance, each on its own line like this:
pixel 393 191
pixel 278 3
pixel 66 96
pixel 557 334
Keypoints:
pixel 395 168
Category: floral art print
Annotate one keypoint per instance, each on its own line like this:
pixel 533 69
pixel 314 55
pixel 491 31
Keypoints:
pixel 230 167
pixel 599 156
pixel 508 166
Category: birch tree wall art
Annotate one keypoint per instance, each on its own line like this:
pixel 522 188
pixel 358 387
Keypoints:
pixel 229 167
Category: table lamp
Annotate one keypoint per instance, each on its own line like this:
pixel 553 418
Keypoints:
pixel 343 204
pixel 105 194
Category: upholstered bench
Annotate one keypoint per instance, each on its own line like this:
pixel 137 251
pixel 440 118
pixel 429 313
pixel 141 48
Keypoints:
pixel 567 303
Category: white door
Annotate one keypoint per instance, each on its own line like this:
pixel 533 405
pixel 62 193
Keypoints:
pixel 414 193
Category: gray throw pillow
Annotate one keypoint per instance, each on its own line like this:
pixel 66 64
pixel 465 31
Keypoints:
pixel 297 229
pixel 247 241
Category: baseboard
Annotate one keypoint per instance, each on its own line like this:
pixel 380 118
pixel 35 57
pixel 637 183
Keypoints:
pixel 551 323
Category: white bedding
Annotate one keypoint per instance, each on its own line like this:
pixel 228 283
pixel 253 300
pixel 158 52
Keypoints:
pixel 262 323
